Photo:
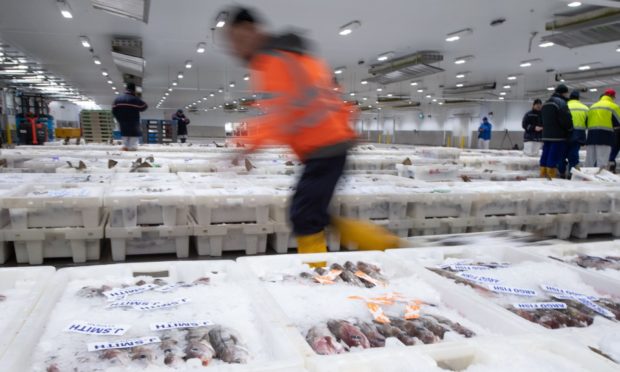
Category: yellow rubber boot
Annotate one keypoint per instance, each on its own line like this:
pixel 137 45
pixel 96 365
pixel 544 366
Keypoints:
pixel 543 172
pixel 365 235
pixel 314 243
pixel 552 173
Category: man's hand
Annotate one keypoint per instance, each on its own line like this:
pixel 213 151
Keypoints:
pixel 538 129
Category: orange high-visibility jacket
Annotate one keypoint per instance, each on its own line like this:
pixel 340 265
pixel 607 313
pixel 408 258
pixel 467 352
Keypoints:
pixel 300 107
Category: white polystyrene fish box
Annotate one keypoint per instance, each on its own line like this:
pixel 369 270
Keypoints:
pixel 160 297
pixel 55 205
pixel 515 354
pixel 133 204
pixel 523 281
pixel 32 246
pixel 153 179
pixel 20 289
pixel 435 173
pixel 599 257
pixel 148 240
pixel 212 240
pixel 302 302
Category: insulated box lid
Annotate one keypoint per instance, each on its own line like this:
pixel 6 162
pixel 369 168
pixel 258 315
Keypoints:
pixel 60 195
pixel 138 193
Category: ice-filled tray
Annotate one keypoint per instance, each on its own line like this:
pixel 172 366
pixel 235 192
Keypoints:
pixel 594 175
pixel 487 239
pixel 55 205
pixel 520 353
pixel 20 289
pixel 147 178
pixel 24 178
pixel 543 295
pixel 212 305
pixel 321 307
pixel 600 257
pixel 148 203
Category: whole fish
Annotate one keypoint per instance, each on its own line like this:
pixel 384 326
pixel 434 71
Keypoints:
pixel 458 279
pixel 347 276
pixel 203 281
pixel 416 329
pixel 371 270
pixel 160 282
pixel 227 345
pixel 2 298
pixel 197 333
pixel 388 330
pixel 433 325
pixel 348 333
pixel 455 326
pixel 90 292
pixel 323 342
pixel 170 348
pixel 200 349
pixel 141 353
pixel 612 306
pixel 375 338
pixel 115 356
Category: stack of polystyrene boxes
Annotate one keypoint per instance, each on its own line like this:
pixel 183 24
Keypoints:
pixel 148 215
pixel 55 220
pixel 233 213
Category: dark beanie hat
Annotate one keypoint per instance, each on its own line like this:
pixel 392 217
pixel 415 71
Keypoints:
pixel 561 89
pixel 241 15
pixel 131 87
pixel 537 101
pixel 575 94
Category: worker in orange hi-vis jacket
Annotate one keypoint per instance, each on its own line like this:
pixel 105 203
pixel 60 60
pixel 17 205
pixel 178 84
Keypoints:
pixel 301 109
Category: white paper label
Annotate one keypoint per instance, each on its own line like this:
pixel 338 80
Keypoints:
pixel 164 305
pixel 171 287
pixel 128 303
pixel 565 292
pixel 541 305
pixel 459 267
pixel 123 344
pixel 97 329
pixel 118 293
pixel 180 324
pixel 513 290
pixel 478 279
pixel 599 309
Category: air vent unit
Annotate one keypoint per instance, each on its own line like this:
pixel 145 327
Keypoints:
pixel 127 55
pixel 412 66
pixel 469 89
pixel 608 76
pixel 133 9
pixel 587 28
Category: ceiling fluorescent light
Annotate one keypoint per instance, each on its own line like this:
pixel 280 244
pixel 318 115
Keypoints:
pixel 463 60
pixel 339 70
pixel 593 90
pixel 364 82
pixel 385 56
pixel 507 86
pixel 512 77
pixel 65 9
pixel 201 48
pixel 175 83
pixel 231 84
pixel 459 85
pixel 584 67
pixel 96 60
pixel 188 64
pixel 414 83
pixel 220 20
pixel 85 42
pixel 574 4
pixel 461 76
pixel 246 77
pixel 455 36
pixel 180 75
pixel 104 72
pixel 349 27
pixel 546 44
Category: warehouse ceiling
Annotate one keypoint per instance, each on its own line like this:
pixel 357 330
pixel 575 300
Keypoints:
pixel 169 32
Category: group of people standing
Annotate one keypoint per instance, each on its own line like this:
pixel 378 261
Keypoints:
pixel 563 124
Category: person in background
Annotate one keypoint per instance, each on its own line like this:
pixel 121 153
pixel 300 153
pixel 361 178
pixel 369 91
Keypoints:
pixel 302 111
pixel 532 124
pixel 603 117
pixel 126 110
pixel 484 134
pixel 579 114
pixel 182 123
pixel 557 130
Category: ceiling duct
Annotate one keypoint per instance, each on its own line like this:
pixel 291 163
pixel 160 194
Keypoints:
pixel 586 28
pixel 607 76
pixel 469 89
pixel 408 67
pixel 133 9
pixel 127 55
